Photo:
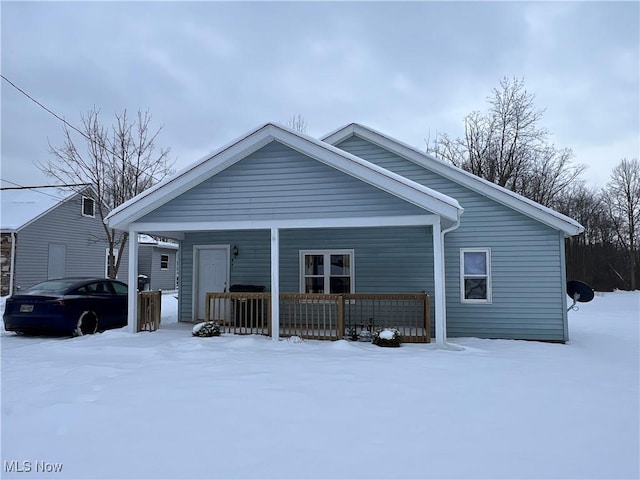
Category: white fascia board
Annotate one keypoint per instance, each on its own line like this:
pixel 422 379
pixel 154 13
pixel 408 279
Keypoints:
pixel 223 158
pixel 395 221
pixel 186 179
pixel 339 134
pixel 390 182
pixel 495 192
pixel 342 133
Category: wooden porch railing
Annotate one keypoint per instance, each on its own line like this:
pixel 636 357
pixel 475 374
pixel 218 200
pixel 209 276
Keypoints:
pixel 149 310
pixel 314 316
pixel 321 316
pixel 408 312
pixel 240 313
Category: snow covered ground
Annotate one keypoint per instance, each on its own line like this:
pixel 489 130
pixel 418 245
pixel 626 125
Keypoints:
pixel 168 405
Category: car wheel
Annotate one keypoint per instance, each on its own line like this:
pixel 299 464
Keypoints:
pixel 87 324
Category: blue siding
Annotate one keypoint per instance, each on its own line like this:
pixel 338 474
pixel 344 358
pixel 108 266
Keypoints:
pixel 253 264
pixel 277 182
pixel 386 259
pixel 527 267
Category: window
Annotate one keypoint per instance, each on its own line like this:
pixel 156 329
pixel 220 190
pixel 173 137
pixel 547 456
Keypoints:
pixel 119 288
pixel 164 262
pixel 475 275
pixel 98 288
pixel 326 271
pixel 88 207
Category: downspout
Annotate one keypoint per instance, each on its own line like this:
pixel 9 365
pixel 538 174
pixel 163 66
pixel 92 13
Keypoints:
pixel 445 344
pixel 12 262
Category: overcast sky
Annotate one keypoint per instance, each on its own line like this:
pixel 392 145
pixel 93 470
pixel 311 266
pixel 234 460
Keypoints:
pixel 209 72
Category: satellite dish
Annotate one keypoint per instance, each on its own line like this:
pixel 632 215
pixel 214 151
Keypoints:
pixel 579 292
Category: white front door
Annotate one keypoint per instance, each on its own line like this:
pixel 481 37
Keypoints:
pixel 211 275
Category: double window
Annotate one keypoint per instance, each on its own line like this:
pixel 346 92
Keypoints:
pixel 164 262
pixel 475 275
pixel 327 271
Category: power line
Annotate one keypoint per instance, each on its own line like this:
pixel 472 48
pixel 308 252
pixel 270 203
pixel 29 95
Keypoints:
pixel 27 187
pixel 38 188
pixel 45 108
pixel 102 145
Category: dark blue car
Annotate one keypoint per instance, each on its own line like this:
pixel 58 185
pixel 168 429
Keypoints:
pixel 68 306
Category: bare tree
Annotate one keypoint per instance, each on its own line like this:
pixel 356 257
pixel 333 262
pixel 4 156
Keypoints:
pixel 507 146
pixel 118 163
pixel 297 123
pixel 588 206
pixel 591 256
pixel 623 200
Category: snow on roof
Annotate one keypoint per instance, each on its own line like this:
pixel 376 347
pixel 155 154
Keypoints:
pixel 21 207
pixel 145 239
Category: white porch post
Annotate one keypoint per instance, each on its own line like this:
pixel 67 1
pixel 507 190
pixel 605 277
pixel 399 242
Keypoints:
pixel 438 284
pixel 132 315
pixel 275 284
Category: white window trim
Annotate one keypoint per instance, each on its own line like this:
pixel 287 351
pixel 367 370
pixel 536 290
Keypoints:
pixel 487 252
pixel 168 261
pixel 327 273
pixel 94 207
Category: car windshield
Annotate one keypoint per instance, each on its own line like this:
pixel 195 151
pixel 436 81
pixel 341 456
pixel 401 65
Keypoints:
pixel 49 287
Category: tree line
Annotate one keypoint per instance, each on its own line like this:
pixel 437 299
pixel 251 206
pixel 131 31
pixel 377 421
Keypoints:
pixel 606 254
pixel 507 145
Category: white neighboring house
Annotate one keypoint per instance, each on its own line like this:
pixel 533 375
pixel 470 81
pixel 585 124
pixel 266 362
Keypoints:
pixel 51 233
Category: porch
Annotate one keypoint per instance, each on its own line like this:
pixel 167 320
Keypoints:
pixel 322 316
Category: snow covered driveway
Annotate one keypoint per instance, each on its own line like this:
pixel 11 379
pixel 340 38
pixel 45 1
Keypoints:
pixel 168 405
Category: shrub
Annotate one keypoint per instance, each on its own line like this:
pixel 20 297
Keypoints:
pixel 364 336
pixel 387 337
pixel 206 329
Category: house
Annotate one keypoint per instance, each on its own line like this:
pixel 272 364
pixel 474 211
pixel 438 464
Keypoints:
pixel 274 206
pixel 48 233
pixel 157 261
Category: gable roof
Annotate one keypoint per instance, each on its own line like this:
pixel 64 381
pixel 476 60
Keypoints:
pixel 20 207
pixel 491 190
pixel 252 141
